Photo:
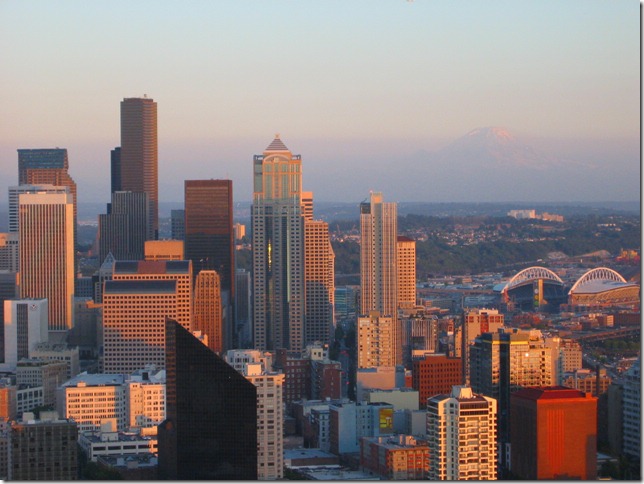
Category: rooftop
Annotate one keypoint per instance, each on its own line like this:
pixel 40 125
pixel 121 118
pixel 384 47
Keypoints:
pixel 277 145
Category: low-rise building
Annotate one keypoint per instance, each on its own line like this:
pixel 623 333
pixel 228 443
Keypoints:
pixel 394 457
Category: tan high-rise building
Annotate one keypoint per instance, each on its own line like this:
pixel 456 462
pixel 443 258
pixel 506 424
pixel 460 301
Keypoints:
pixel 379 263
pixel 375 345
pixel 46 241
pixel 139 152
pixel 207 309
pixel 164 250
pixel 406 249
pixel 319 281
pixel 462 436
pixel 278 249
pixel 162 270
pixel 47 166
pixel 134 319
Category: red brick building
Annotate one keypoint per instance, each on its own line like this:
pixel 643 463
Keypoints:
pixel 434 375
pixel 553 434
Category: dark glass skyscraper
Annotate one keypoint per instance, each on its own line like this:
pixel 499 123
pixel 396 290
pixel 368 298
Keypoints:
pixel 125 227
pixel 209 239
pixel 139 152
pixel 210 431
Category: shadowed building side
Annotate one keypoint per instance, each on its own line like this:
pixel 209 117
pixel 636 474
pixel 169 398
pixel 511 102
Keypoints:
pixel 210 431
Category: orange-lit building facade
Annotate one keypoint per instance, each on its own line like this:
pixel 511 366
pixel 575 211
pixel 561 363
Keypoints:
pixel 406 255
pixel 134 317
pixel 435 374
pixel 553 434
pixel 46 238
pixel 207 309
pixel 400 457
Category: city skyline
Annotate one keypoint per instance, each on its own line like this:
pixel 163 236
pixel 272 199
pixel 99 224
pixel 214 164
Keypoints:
pixel 357 89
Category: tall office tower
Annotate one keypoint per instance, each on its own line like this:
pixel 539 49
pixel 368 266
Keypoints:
pixel 632 416
pixel 164 250
pixel 9 253
pixel 139 153
pixel 39 159
pixel 406 258
pixel 43 449
pixel 115 170
pixel 164 270
pixel 319 282
pixel 134 315
pixel 125 227
pixel 243 308
pixel 374 339
pixel 14 195
pixel 210 431
pixel 461 430
pixel 278 249
pixel 46 233
pixel 178 224
pixel 48 166
pixel 209 238
pixel 270 420
pixel 434 375
pixel 379 263
pixel 208 310
pixel 25 325
pixel 475 323
pixel 554 434
pixel 502 363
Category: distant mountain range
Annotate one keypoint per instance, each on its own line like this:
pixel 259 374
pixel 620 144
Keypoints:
pixel 492 165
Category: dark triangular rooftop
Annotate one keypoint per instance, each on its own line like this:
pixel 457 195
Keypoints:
pixel 277 145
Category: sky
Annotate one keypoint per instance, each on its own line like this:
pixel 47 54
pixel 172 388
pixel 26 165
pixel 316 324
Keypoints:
pixel 348 84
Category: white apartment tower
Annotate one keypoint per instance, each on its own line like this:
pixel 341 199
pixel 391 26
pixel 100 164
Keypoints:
pixel 270 418
pixel 461 434
pixel 379 262
pixel 46 245
pixel 278 249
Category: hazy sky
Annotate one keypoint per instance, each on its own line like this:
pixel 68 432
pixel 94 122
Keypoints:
pixel 344 82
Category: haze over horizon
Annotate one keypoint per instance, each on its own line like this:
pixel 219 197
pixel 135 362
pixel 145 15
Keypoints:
pixel 373 96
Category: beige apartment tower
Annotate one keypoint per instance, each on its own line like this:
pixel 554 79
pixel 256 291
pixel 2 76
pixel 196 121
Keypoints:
pixel 379 263
pixel 319 281
pixel 46 240
pixel 208 317
pixel 406 250
pixel 375 341
pixel 139 152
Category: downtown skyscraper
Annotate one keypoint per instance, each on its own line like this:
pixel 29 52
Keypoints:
pixel 46 239
pixel 278 249
pixel 210 244
pixel 379 263
pixel 137 158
